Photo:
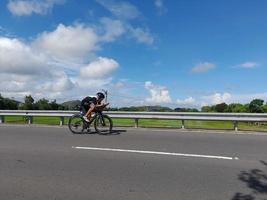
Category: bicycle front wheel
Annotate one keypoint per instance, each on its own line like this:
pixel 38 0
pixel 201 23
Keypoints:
pixel 76 124
pixel 103 124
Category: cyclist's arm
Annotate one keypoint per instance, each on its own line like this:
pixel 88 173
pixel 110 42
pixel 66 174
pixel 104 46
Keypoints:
pixel 102 105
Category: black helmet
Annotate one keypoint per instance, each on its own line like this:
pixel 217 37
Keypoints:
pixel 100 95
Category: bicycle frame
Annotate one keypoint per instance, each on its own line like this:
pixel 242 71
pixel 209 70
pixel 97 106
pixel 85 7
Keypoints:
pixel 88 124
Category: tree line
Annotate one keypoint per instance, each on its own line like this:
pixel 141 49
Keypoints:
pixel 29 104
pixel 255 106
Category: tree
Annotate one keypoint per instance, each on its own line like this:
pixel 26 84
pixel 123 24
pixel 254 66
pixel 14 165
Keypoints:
pixel 246 107
pixel 222 107
pixel 236 108
pixel 186 110
pixel 1 102
pixel 265 108
pixel 54 105
pixel 43 104
pixel 256 106
pixel 206 109
pixel 28 103
pixel 10 104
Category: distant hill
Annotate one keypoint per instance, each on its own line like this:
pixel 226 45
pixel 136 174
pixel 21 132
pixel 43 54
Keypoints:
pixel 71 105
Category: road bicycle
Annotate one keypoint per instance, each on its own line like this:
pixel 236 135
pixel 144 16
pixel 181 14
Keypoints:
pixel 102 123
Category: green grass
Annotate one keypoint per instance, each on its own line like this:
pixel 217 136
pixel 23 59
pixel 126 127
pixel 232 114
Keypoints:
pixel 36 120
pixel 14 119
pixel 49 120
pixel 209 124
pixel 252 126
pixel 160 123
pixel 191 124
pixel 123 122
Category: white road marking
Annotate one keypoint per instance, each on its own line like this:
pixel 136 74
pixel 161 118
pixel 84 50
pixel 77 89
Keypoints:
pixel 157 153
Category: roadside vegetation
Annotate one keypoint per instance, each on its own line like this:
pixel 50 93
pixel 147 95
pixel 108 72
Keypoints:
pixel 255 106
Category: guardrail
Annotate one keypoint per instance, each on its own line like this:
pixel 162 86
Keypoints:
pixel 234 117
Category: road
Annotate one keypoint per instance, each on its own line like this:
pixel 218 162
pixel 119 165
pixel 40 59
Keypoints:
pixel 50 163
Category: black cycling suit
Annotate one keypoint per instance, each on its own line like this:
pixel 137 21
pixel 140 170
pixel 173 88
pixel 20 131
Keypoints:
pixel 86 102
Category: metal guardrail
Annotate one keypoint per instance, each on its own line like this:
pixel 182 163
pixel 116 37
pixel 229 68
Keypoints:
pixel 200 116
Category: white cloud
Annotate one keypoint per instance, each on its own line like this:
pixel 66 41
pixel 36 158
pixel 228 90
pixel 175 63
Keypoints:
pixel 188 102
pixel 60 83
pixel 13 83
pixel 93 83
pixel 159 94
pixel 228 98
pixel 203 67
pixel 217 98
pixel 18 58
pixel 248 65
pixel 28 7
pixel 99 68
pixel 246 98
pixel 67 42
pixel 54 63
pixel 23 70
pixel 112 29
pixel 122 10
pixel 141 35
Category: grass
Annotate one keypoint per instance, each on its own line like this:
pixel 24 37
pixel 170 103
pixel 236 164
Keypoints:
pixel 209 124
pixel 36 120
pixel 191 124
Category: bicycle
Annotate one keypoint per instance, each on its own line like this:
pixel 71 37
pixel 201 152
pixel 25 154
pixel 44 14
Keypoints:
pixel 102 123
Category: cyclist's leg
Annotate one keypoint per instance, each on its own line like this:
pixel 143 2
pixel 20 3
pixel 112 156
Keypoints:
pixel 89 112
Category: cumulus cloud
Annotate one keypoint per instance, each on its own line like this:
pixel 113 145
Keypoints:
pixel 62 63
pixel 67 42
pixel 28 7
pixel 59 83
pixel 246 98
pixel 120 9
pixel 25 71
pixel 217 98
pixel 159 94
pixel 14 83
pixel 203 67
pixel 39 67
pixel 18 58
pixel 188 102
pixel 99 68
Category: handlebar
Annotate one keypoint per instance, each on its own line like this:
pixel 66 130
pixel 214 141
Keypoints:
pixel 102 107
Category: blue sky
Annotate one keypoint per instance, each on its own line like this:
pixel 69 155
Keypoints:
pixel 182 53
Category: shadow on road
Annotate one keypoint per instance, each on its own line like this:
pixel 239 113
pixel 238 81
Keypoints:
pixel 256 181
pixel 113 132
pixel 117 132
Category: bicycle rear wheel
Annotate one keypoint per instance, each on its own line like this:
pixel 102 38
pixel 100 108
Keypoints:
pixel 76 124
pixel 103 124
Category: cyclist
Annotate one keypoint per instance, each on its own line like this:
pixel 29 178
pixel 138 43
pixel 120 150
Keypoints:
pixel 90 104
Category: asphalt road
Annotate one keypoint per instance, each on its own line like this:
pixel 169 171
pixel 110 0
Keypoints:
pixel 51 163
